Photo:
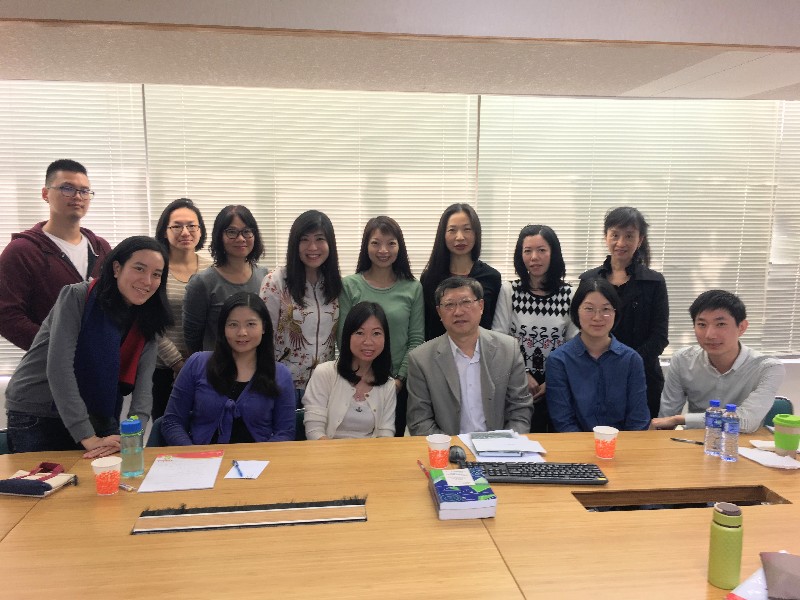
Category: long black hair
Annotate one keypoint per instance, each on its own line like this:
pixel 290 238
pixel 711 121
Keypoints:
pixel 221 368
pixel 222 222
pixel 166 214
pixel 554 277
pixel 627 216
pixel 307 222
pixel 152 316
pixel 387 226
pixel 438 266
pixel 382 364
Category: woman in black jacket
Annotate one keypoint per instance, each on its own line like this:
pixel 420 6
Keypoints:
pixel 643 318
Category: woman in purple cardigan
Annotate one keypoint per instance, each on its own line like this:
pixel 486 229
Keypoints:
pixel 238 393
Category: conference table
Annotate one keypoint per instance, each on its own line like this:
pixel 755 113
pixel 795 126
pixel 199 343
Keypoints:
pixel 543 543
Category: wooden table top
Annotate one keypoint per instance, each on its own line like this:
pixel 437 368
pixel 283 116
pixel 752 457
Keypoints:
pixel 542 544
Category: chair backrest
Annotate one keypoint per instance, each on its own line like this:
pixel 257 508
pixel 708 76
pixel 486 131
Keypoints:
pixel 156 440
pixel 4 441
pixel 781 406
pixel 299 426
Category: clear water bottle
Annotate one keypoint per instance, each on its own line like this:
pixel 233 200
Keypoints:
pixel 132 447
pixel 711 443
pixel 729 445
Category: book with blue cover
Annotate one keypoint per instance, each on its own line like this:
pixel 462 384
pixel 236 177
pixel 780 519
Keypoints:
pixel 462 494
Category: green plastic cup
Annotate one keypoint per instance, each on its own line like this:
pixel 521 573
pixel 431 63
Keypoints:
pixel 787 434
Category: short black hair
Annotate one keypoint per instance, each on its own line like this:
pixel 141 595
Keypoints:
pixel 458 281
pixel 382 364
pixel 63 164
pixel 221 223
pixel 586 287
pixel 305 223
pixel 387 226
pixel 221 367
pixel 154 315
pixel 719 300
pixel 166 214
pixel 554 278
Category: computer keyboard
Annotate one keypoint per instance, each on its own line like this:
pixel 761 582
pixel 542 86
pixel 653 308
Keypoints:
pixel 546 472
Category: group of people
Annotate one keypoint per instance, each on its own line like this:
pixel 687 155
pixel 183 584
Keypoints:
pixel 225 351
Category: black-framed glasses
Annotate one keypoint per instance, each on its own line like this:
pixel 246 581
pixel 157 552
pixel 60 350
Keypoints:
pixel 69 191
pixel 232 233
pixel 464 304
pixel 178 229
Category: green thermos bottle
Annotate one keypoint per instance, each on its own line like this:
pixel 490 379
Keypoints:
pixel 725 548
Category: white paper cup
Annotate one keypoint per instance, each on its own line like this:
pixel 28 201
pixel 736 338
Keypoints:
pixel 107 471
pixel 438 450
pixel 605 441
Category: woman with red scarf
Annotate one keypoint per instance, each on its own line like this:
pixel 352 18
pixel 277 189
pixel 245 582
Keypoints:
pixel 96 346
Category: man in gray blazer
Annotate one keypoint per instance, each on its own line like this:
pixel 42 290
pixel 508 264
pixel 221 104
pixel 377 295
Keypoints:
pixel 470 378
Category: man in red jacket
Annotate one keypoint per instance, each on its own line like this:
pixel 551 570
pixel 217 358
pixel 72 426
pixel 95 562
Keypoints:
pixel 40 261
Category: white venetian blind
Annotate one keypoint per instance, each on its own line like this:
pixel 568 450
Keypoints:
pixel 98 125
pixel 717 180
pixel 352 155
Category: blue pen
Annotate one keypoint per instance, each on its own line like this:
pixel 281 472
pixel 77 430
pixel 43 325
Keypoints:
pixel 238 469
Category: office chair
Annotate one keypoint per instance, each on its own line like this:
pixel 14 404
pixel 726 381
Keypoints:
pixel 299 427
pixel 155 440
pixel 4 441
pixel 781 406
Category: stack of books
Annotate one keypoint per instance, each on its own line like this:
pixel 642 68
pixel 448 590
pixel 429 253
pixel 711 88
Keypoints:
pixel 462 494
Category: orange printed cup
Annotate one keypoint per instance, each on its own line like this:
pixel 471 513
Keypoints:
pixel 438 450
pixel 605 441
pixel 107 474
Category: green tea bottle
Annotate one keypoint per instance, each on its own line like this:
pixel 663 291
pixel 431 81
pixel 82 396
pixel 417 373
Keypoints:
pixel 725 548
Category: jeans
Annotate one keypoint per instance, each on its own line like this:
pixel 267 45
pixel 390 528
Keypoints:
pixel 27 433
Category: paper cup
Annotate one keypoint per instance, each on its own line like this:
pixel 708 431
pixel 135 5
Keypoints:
pixel 787 434
pixel 107 474
pixel 605 441
pixel 438 450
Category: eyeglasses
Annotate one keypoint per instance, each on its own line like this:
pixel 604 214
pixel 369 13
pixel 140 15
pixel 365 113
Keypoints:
pixel 590 311
pixel 178 229
pixel 232 233
pixel 464 303
pixel 69 192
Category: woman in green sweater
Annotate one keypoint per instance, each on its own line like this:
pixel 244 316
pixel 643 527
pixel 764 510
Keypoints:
pixel 383 275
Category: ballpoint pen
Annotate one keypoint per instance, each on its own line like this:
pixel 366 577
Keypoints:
pixel 238 468
pixel 424 470
pixel 685 441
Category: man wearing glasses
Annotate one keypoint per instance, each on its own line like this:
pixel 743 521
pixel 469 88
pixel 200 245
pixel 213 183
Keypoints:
pixel 469 379
pixel 40 261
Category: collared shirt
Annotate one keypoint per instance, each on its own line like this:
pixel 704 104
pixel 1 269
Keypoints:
pixel 751 384
pixel 469 381
pixel 583 392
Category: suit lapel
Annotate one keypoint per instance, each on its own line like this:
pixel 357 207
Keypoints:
pixel 488 352
pixel 446 363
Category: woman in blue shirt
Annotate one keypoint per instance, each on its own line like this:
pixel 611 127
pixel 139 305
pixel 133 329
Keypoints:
pixel 594 379
pixel 238 393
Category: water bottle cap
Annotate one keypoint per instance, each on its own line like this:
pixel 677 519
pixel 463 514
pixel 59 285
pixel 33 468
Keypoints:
pixel 730 407
pixel 714 402
pixel 728 509
pixel 131 426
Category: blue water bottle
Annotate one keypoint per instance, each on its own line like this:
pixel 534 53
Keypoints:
pixel 711 443
pixel 132 447
pixel 729 445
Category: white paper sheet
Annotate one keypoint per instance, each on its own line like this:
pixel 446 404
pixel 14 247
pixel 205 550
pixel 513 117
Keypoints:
pixel 183 471
pixel 769 459
pixel 532 451
pixel 251 469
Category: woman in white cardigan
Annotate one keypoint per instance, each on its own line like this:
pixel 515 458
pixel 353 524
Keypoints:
pixel 354 397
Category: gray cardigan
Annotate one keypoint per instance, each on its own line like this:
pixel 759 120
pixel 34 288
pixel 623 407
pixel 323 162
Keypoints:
pixel 44 383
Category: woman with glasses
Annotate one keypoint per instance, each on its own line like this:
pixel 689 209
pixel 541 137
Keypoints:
pixel 594 379
pixel 303 298
pixel 182 232
pixel 383 275
pixel 97 345
pixel 643 319
pixel 354 397
pixel 456 250
pixel 238 393
pixel 534 309
pixel 236 247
